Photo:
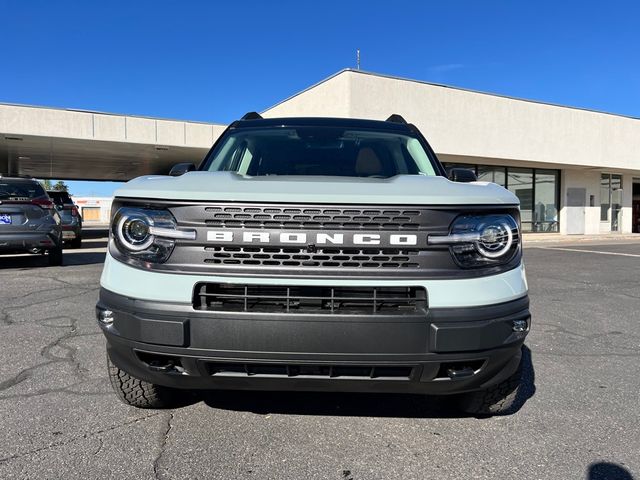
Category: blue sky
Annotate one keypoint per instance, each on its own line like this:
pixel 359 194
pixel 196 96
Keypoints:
pixel 213 61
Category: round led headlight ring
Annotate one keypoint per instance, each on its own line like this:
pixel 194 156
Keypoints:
pixel 133 232
pixel 495 240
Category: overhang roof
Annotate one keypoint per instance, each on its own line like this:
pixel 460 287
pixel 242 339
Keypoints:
pixel 83 145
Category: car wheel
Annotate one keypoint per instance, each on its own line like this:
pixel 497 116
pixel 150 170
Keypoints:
pixel 138 393
pixel 55 256
pixel 496 400
pixel 76 242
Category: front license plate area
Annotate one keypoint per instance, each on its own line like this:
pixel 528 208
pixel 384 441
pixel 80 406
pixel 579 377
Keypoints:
pixel 5 219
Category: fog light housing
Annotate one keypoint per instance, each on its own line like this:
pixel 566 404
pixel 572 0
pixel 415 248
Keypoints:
pixel 520 326
pixel 104 316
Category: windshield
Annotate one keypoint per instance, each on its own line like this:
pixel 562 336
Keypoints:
pixel 20 191
pixel 320 151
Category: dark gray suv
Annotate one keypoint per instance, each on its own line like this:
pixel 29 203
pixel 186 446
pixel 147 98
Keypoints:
pixel 29 222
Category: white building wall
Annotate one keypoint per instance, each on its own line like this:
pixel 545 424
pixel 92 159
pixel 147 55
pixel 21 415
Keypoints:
pixel 331 98
pixel 75 124
pixel 573 178
pixel 466 123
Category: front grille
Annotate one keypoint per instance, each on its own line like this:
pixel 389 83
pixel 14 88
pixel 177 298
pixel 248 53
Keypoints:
pixel 323 257
pixel 379 372
pixel 313 218
pixel 310 299
pixel 279 240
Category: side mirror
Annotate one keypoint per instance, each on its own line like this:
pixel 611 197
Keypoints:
pixel 463 175
pixel 181 169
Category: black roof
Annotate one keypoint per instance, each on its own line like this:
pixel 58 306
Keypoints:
pixel 322 122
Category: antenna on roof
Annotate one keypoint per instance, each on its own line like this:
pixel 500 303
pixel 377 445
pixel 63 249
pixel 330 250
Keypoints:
pixel 358 59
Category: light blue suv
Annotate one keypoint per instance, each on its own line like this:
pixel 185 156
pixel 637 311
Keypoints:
pixel 316 254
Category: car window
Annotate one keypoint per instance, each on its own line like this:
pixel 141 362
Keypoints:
pixel 20 190
pixel 326 151
pixel 60 198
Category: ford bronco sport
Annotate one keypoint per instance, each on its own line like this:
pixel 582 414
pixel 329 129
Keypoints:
pixel 315 254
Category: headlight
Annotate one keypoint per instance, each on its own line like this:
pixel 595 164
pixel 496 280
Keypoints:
pixel 481 240
pixel 147 234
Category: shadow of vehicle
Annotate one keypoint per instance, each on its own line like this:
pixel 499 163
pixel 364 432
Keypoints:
pixel 608 471
pixel 358 404
pixel 528 383
pixel 26 262
pixel 91 233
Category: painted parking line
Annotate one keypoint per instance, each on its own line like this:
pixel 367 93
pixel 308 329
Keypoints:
pixel 589 251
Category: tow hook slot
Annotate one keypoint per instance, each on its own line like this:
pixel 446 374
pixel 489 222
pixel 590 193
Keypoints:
pixel 161 363
pixel 161 366
pixel 454 373
pixel 459 370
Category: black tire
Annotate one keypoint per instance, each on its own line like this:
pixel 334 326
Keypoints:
pixel 496 400
pixel 55 256
pixel 76 242
pixel 138 393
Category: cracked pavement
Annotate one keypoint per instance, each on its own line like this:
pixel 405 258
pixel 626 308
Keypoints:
pixel 59 418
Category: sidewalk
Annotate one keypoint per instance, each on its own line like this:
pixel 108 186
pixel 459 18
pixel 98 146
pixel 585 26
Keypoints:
pixel 536 238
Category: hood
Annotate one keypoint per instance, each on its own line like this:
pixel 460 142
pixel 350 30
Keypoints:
pixel 398 190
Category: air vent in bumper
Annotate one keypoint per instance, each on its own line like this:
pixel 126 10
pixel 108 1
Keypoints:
pixel 310 299
pixel 379 372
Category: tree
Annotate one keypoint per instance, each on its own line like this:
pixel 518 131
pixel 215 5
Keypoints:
pixel 60 186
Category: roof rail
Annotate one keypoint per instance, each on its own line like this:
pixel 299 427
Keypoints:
pixel 395 118
pixel 252 116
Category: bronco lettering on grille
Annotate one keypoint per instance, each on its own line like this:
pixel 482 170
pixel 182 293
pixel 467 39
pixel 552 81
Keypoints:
pixel 293 238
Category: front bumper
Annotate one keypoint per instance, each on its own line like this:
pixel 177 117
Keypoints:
pixel 445 351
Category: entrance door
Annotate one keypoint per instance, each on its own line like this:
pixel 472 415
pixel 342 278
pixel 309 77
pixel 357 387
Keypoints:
pixel 576 203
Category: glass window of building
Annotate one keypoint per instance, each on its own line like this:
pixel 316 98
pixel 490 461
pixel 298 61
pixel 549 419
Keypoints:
pixel 616 202
pixel 520 183
pixel 537 189
pixel 468 166
pixel 489 173
pixel 605 180
pixel 545 214
pixel 611 200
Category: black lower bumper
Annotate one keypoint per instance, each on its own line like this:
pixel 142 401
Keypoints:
pixel 20 242
pixel 441 351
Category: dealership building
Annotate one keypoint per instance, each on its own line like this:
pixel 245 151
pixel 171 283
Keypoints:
pixel 575 171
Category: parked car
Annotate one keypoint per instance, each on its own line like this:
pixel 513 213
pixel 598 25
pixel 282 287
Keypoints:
pixel 317 254
pixel 29 221
pixel 70 215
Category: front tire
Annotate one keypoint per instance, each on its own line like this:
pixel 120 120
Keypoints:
pixel 496 400
pixel 136 392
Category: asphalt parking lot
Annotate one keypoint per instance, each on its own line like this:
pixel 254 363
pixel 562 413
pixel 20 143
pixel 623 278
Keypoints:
pixel 579 417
